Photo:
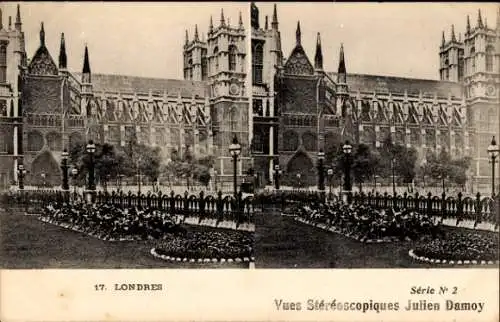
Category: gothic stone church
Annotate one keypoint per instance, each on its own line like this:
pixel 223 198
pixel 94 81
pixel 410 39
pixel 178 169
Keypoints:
pixel 300 108
pixel 45 108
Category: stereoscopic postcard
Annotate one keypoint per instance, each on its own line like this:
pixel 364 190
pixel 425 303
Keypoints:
pixel 249 161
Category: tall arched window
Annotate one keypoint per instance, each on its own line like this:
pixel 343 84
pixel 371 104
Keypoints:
pixel 232 57
pixel 3 141
pixel 3 63
pixel 290 141
pixel 473 58
pixel 489 58
pixel 257 63
pixel 204 68
pixel 190 64
pixel 233 119
pixel 35 141
pixel 216 59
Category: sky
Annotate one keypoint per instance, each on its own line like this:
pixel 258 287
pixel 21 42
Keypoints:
pixel 393 39
pixel 139 39
pixel 145 39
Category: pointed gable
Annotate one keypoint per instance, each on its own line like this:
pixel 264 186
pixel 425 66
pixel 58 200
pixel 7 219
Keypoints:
pixel 42 63
pixel 298 63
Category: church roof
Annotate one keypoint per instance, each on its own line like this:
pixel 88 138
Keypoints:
pixel 42 63
pixel 134 84
pixel 413 86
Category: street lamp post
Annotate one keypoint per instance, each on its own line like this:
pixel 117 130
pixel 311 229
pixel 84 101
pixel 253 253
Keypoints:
pixel 321 174
pixel 91 180
pixel 277 173
pixel 375 182
pixel 493 151
pixel 21 172
pixel 234 150
pixel 64 168
pixel 43 179
pixel 74 173
pixel 330 179
pixel 393 161
pixel 347 149
pixel 298 179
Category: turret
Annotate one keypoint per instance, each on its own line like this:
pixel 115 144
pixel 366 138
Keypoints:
pixel 479 20
pixel 254 16
pixel 453 38
pixel 468 25
pixel 274 23
pixel 196 37
pixel 18 23
pixel 210 26
pixel 240 22
pixel 222 20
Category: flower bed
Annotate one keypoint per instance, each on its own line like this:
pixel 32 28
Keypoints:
pixel 368 224
pixel 460 246
pixel 207 244
pixel 112 223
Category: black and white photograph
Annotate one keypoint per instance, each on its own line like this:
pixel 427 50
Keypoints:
pixel 251 135
pixel 124 138
pixel 375 128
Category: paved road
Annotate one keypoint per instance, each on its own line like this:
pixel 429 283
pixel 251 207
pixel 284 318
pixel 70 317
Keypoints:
pixel 26 242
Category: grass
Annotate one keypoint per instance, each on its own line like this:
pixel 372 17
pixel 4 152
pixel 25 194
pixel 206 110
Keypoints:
pixel 27 243
pixel 282 242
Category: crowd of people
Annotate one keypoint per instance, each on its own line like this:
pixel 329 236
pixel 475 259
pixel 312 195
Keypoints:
pixel 461 245
pixel 208 244
pixel 366 222
pixel 110 222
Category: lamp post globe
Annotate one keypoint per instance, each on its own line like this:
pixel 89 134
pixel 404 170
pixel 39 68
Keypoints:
pixel 493 151
pixel 234 150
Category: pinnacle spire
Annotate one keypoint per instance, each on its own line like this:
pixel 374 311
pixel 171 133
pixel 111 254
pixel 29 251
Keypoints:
pixel 196 36
pixel 86 62
pixel 18 23
pixel 498 19
pixel 266 24
pixel 274 23
pixel 479 19
pixel 1 22
pixel 254 16
pixel 222 20
pixel 443 39
pixel 211 25
pixel 186 41
pixel 298 34
pixel 42 35
pixel 318 58
pixel 468 24
pixel 63 60
pixel 240 21
pixel 453 37
pixel 342 69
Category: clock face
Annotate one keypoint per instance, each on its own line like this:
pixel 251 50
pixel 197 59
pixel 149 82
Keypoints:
pixel 234 89
pixel 490 90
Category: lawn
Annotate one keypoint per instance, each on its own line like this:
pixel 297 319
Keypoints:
pixel 282 242
pixel 27 243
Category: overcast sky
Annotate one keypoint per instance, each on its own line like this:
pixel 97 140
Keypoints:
pixel 400 39
pixel 140 39
pixel 145 39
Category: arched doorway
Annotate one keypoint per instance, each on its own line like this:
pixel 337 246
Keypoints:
pixel 45 171
pixel 301 164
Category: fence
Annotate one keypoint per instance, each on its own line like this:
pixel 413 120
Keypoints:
pixel 476 208
pixel 218 207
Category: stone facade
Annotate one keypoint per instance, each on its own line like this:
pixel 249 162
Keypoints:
pixel 44 108
pixel 314 109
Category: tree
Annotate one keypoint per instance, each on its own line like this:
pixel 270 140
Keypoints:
pixel 400 157
pixel 365 164
pixel 141 159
